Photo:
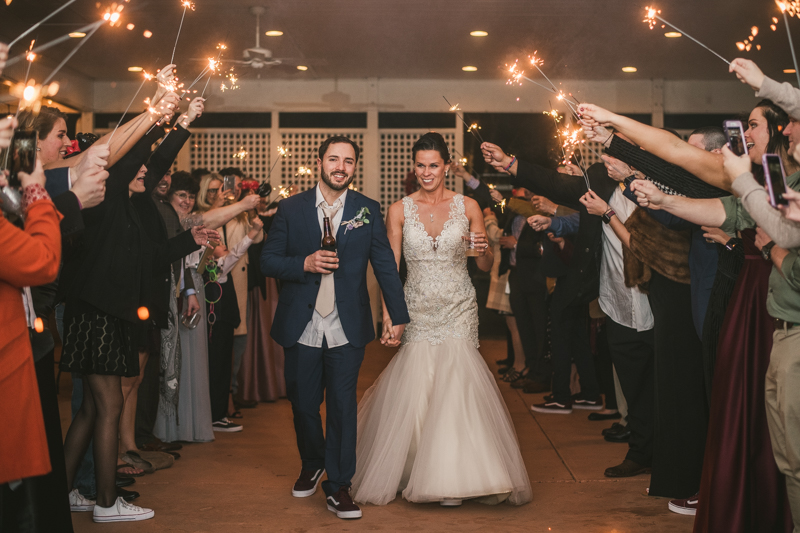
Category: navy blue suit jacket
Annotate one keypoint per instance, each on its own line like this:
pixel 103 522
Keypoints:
pixel 295 234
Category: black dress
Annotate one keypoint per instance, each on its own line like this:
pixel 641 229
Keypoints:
pixel 681 414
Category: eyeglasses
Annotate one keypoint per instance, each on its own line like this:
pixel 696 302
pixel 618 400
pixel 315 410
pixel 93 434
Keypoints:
pixel 183 196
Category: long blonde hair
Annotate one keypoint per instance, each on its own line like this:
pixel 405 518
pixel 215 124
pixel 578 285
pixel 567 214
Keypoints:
pixel 201 204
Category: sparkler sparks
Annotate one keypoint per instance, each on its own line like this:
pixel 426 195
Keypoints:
pixel 652 14
pixel 186 4
pixel 792 9
pixel 241 154
pixel 113 13
pixel 471 128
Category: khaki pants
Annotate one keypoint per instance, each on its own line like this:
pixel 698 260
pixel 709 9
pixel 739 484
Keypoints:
pixel 783 411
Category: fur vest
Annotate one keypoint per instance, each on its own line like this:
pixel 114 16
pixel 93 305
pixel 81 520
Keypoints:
pixel 654 246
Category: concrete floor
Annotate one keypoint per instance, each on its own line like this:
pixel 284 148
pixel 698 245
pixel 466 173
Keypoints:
pixel 242 481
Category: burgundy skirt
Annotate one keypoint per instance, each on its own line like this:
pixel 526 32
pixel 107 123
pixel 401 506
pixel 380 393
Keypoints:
pixel 741 489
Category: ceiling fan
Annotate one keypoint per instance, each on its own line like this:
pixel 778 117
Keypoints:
pixel 258 57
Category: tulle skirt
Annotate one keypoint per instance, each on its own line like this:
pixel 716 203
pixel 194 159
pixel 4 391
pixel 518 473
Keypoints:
pixel 434 426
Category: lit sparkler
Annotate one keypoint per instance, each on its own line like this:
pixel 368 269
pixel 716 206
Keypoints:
pixel 213 66
pixel 284 153
pixel 784 7
pixel 241 154
pixel 569 141
pixel 653 14
pixel 30 94
pixel 186 4
pixel 147 77
pixel 471 128
pixel 48 17
pixel 284 192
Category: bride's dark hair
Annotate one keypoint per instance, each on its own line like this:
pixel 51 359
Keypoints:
pixel 432 141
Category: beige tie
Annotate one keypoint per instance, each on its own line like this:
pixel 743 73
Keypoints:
pixel 327 293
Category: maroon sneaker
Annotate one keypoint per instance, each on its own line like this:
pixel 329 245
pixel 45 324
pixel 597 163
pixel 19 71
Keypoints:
pixel 306 484
pixel 342 504
pixel 685 507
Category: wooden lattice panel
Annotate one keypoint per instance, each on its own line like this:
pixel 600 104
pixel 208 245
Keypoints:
pixel 396 162
pixel 302 147
pixel 216 149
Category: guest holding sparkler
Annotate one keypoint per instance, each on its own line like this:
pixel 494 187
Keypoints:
pixel 629 326
pixel 733 473
pixel 102 286
pixel 32 257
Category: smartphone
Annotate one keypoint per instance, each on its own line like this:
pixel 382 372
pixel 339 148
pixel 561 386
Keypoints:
pixel 23 155
pixel 775 178
pixel 734 132
pixel 229 188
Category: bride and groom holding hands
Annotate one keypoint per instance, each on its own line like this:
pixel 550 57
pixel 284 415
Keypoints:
pixel 433 426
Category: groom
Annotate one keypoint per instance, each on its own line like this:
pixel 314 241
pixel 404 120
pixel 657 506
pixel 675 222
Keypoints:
pixel 324 319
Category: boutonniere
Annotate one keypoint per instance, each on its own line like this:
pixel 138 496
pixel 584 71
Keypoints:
pixel 357 221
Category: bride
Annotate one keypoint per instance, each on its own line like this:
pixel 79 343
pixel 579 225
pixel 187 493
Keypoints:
pixel 433 425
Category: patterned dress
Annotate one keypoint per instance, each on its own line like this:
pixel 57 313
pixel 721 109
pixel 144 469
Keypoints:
pixel 434 425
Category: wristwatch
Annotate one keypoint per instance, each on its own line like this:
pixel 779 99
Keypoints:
pixel 607 216
pixel 766 250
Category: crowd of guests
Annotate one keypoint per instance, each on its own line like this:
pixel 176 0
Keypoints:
pixel 670 287
pixel 162 324
pixel 664 297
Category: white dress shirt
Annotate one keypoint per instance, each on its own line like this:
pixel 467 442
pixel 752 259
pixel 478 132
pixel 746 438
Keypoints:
pixel 329 327
pixel 627 306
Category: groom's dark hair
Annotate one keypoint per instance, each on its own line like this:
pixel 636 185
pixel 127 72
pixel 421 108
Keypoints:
pixel 337 139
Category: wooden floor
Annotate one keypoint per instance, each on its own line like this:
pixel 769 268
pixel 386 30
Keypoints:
pixel 242 481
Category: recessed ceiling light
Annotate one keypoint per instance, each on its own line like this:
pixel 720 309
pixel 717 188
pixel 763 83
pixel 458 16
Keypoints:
pixel 789 71
pixel 469 68
pixel 77 34
pixel 479 33
pixel 302 67
pixel 135 69
pixel 147 34
pixel 673 34
pixel 629 69
pixel 274 33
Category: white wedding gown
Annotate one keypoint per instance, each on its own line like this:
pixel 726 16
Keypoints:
pixel 434 425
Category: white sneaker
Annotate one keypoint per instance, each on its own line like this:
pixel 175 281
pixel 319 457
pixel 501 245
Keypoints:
pixel 121 511
pixel 78 502
pixel 226 426
pixel 450 502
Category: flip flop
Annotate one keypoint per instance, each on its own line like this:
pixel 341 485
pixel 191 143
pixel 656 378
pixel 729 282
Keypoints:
pixel 127 474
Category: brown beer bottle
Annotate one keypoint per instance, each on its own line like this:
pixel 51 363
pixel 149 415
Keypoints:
pixel 328 240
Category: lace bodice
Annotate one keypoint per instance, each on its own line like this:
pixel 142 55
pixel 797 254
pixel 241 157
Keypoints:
pixel 439 292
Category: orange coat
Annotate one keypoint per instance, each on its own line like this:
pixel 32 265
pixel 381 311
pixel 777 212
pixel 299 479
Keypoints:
pixel 29 258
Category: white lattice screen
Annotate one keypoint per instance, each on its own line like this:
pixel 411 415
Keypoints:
pixel 302 146
pixel 591 152
pixel 216 148
pixel 396 162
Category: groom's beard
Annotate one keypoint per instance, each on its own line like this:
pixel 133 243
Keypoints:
pixel 334 186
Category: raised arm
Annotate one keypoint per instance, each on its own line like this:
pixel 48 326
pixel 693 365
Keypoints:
pixel 220 216
pixel 705 165
pixel 785 96
pixel 703 212
pixel 32 256
pixel 598 207
pixel 562 189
